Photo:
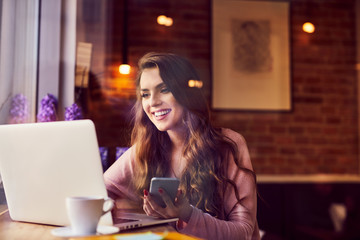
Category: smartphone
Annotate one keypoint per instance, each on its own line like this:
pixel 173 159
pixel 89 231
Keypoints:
pixel 170 185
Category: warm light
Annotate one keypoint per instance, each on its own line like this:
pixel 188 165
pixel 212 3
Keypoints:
pixel 161 19
pixel 124 68
pixel 195 83
pixel 308 27
pixel 164 20
pixel 191 83
pixel 168 22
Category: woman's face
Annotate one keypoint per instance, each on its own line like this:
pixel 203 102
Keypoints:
pixel 159 103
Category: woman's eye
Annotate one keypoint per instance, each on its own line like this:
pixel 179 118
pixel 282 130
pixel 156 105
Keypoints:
pixel 165 90
pixel 144 95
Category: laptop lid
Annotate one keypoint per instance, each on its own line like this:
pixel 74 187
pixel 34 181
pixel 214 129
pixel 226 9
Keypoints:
pixel 43 163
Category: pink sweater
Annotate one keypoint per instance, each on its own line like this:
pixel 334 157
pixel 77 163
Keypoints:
pixel 241 223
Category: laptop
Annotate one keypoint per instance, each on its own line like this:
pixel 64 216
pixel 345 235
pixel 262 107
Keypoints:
pixel 43 163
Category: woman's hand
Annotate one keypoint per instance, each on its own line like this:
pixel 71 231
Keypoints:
pixel 179 209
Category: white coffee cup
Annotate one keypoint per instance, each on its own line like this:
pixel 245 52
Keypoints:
pixel 84 213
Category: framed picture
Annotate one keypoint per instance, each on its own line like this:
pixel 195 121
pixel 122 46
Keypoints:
pixel 250 55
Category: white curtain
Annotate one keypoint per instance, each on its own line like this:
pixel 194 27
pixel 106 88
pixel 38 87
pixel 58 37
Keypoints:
pixel 18 59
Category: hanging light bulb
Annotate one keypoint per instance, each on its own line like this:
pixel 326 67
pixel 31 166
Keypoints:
pixel 124 69
pixel 308 27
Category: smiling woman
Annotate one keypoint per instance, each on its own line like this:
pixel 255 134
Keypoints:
pixel 173 137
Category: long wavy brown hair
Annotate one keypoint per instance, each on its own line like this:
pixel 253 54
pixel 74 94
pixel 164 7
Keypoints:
pixel 206 148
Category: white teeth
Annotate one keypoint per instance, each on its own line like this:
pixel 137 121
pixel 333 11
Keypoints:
pixel 161 113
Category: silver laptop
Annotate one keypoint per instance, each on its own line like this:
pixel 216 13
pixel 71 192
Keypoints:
pixel 43 163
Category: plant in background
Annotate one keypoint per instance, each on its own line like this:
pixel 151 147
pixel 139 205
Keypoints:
pixel 104 157
pixel 73 112
pixel 48 108
pixel 120 151
pixel 19 110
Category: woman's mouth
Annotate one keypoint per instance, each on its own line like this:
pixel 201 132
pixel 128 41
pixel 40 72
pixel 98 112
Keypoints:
pixel 162 113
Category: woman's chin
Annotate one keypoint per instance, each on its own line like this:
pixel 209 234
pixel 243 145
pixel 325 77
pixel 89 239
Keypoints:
pixel 161 128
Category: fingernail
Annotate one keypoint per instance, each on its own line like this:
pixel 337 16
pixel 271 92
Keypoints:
pixel 160 190
pixel 146 192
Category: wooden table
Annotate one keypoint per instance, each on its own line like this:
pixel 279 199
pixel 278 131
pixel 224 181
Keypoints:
pixel 17 230
pixel 10 230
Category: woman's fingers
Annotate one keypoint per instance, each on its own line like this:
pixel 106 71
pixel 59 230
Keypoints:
pixel 151 208
pixel 181 208
pixel 179 196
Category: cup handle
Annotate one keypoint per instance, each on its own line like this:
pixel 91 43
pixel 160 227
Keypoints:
pixel 108 205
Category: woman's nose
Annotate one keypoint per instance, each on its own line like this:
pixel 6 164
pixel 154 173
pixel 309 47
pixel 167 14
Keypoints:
pixel 155 100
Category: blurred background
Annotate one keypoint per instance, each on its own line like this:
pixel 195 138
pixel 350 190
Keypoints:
pixel 319 134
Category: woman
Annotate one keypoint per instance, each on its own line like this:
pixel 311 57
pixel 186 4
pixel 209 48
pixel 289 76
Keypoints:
pixel 173 137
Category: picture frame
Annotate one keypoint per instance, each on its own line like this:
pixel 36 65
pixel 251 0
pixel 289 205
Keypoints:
pixel 250 56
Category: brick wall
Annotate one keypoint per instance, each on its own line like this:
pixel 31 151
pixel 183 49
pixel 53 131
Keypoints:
pixel 319 135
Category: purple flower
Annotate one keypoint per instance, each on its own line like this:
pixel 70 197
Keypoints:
pixel 73 112
pixel 104 157
pixel 48 107
pixel 103 153
pixel 19 109
pixel 120 151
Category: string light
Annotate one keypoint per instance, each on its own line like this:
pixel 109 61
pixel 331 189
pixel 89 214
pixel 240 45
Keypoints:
pixel 164 20
pixel 195 83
